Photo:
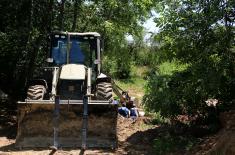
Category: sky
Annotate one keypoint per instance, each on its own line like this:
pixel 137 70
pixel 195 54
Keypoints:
pixel 149 26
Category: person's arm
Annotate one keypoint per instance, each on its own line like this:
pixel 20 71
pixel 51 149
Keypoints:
pixel 129 112
pixel 137 110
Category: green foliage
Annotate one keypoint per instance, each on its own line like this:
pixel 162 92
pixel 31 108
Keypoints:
pixel 158 119
pixel 199 35
pixel 117 63
pixel 145 56
pixel 162 98
pixel 167 143
pixel 185 91
pixel 168 68
pixel 136 82
pixel 116 68
pixel 25 27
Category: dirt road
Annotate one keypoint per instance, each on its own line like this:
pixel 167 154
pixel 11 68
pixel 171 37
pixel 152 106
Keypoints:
pixel 133 138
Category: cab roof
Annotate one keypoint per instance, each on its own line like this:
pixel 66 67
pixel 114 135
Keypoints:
pixel 94 34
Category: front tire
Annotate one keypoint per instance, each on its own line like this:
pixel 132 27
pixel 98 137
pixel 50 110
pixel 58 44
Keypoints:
pixel 36 92
pixel 104 91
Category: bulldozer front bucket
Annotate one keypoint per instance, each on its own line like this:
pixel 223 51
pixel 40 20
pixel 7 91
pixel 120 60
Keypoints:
pixel 44 124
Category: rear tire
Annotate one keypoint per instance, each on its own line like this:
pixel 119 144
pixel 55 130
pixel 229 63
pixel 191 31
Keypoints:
pixel 36 92
pixel 104 91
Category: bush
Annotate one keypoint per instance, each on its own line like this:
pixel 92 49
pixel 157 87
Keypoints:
pixel 185 91
pixel 117 64
pixel 168 143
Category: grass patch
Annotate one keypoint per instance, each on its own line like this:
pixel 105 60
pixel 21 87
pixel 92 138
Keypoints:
pixel 134 85
pixel 145 126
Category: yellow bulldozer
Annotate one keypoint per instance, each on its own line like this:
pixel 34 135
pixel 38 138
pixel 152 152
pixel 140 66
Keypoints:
pixel 70 104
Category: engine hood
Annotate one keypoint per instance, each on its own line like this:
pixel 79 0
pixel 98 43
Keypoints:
pixel 73 72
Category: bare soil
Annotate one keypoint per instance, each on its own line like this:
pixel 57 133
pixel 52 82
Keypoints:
pixel 222 142
pixel 133 137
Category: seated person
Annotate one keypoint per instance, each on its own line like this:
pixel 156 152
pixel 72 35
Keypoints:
pixel 134 112
pixel 124 111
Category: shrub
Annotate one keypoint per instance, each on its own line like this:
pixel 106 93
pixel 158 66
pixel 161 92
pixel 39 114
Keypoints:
pixel 185 91
pixel 117 64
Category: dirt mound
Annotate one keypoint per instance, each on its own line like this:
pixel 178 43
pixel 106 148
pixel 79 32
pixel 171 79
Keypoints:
pixel 135 137
pixel 224 141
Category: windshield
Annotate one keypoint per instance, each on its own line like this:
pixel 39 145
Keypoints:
pixel 79 52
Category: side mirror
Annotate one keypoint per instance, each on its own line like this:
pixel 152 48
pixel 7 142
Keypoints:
pixel 49 60
pixel 102 45
pixel 97 62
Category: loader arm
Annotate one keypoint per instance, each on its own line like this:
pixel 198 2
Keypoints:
pixel 119 92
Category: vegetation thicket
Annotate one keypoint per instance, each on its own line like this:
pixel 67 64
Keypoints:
pixel 196 58
pixel 188 61
pixel 25 26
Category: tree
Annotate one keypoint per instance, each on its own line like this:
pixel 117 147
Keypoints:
pixel 25 26
pixel 198 34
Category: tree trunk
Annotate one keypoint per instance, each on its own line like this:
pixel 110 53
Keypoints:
pixel 51 17
pixel 75 13
pixel 61 18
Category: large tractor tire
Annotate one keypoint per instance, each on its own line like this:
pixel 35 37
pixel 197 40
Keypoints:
pixel 105 91
pixel 36 92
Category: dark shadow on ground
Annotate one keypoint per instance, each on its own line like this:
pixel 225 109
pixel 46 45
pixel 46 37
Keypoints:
pixel 141 142
pixel 8 120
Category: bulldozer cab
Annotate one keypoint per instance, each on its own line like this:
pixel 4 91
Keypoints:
pixel 70 105
pixel 75 48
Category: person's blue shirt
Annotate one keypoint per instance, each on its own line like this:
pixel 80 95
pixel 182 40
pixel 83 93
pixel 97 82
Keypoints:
pixel 134 112
pixel 124 111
